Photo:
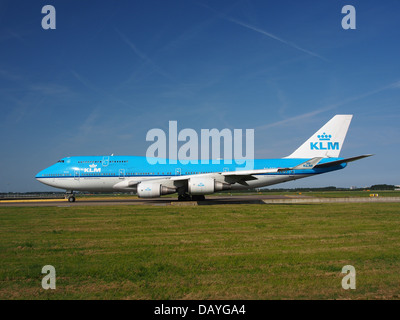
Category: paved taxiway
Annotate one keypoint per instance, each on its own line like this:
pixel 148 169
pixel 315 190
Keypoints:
pixel 211 200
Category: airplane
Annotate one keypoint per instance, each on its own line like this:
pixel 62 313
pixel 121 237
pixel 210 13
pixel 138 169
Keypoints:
pixel 319 154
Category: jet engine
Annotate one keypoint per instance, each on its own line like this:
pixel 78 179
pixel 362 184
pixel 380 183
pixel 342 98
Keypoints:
pixel 153 190
pixel 206 185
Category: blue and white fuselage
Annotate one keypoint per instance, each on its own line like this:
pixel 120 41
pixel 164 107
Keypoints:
pixel 105 173
pixel 139 175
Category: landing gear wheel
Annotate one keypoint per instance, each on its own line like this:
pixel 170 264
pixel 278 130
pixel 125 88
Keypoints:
pixel 198 198
pixel 184 197
pixel 71 199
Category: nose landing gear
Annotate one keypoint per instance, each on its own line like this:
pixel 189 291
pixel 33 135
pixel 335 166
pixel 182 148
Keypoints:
pixel 70 196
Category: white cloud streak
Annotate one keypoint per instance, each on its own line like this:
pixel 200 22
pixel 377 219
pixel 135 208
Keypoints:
pixel 329 107
pixel 272 36
pixel 143 57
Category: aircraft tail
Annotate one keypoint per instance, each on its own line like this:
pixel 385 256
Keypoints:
pixel 327 141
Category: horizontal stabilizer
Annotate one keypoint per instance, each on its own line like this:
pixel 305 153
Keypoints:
pixel 338 162
pixel 309 164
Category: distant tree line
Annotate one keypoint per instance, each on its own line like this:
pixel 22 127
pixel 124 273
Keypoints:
pixel 382 187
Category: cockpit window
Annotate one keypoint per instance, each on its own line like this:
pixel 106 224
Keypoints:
pixel 62 161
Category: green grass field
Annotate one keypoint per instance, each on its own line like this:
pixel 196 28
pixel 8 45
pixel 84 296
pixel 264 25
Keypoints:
pixel 344 194
pixel 317 194
pixel 203 252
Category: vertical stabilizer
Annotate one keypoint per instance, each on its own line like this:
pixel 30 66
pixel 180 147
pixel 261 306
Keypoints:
pixel 327 141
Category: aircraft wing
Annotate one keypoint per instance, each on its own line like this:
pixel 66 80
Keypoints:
pixel 242 176
pixel 239 176
pixel 338 162
pixel 132 183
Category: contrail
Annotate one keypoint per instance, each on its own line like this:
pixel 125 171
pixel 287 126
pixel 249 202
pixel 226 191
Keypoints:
pixel 291 44
pixel 144 57
pixel 393 85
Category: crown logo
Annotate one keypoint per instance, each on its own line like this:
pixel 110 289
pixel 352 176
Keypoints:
pixel 324 136
pixel 93 165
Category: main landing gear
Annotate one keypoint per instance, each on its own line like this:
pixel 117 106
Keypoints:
pixel 187 197
pixel 198 198
pixel 184 197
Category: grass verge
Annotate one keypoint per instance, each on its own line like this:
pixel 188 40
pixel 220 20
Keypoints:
pixel 203 252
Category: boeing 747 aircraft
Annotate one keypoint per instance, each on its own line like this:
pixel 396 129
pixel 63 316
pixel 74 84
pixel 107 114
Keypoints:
pixel 319 154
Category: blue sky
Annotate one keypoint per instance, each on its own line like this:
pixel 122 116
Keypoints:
pixel 113 70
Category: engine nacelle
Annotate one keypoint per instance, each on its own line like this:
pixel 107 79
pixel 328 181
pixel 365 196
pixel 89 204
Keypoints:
pixel 200 186
pixel 153 190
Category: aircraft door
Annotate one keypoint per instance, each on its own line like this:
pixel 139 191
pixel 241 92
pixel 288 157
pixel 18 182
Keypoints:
pixel 76 174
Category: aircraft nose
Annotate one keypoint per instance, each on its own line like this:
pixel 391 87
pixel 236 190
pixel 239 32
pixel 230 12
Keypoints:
pixel 41 174
pixel 43 177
